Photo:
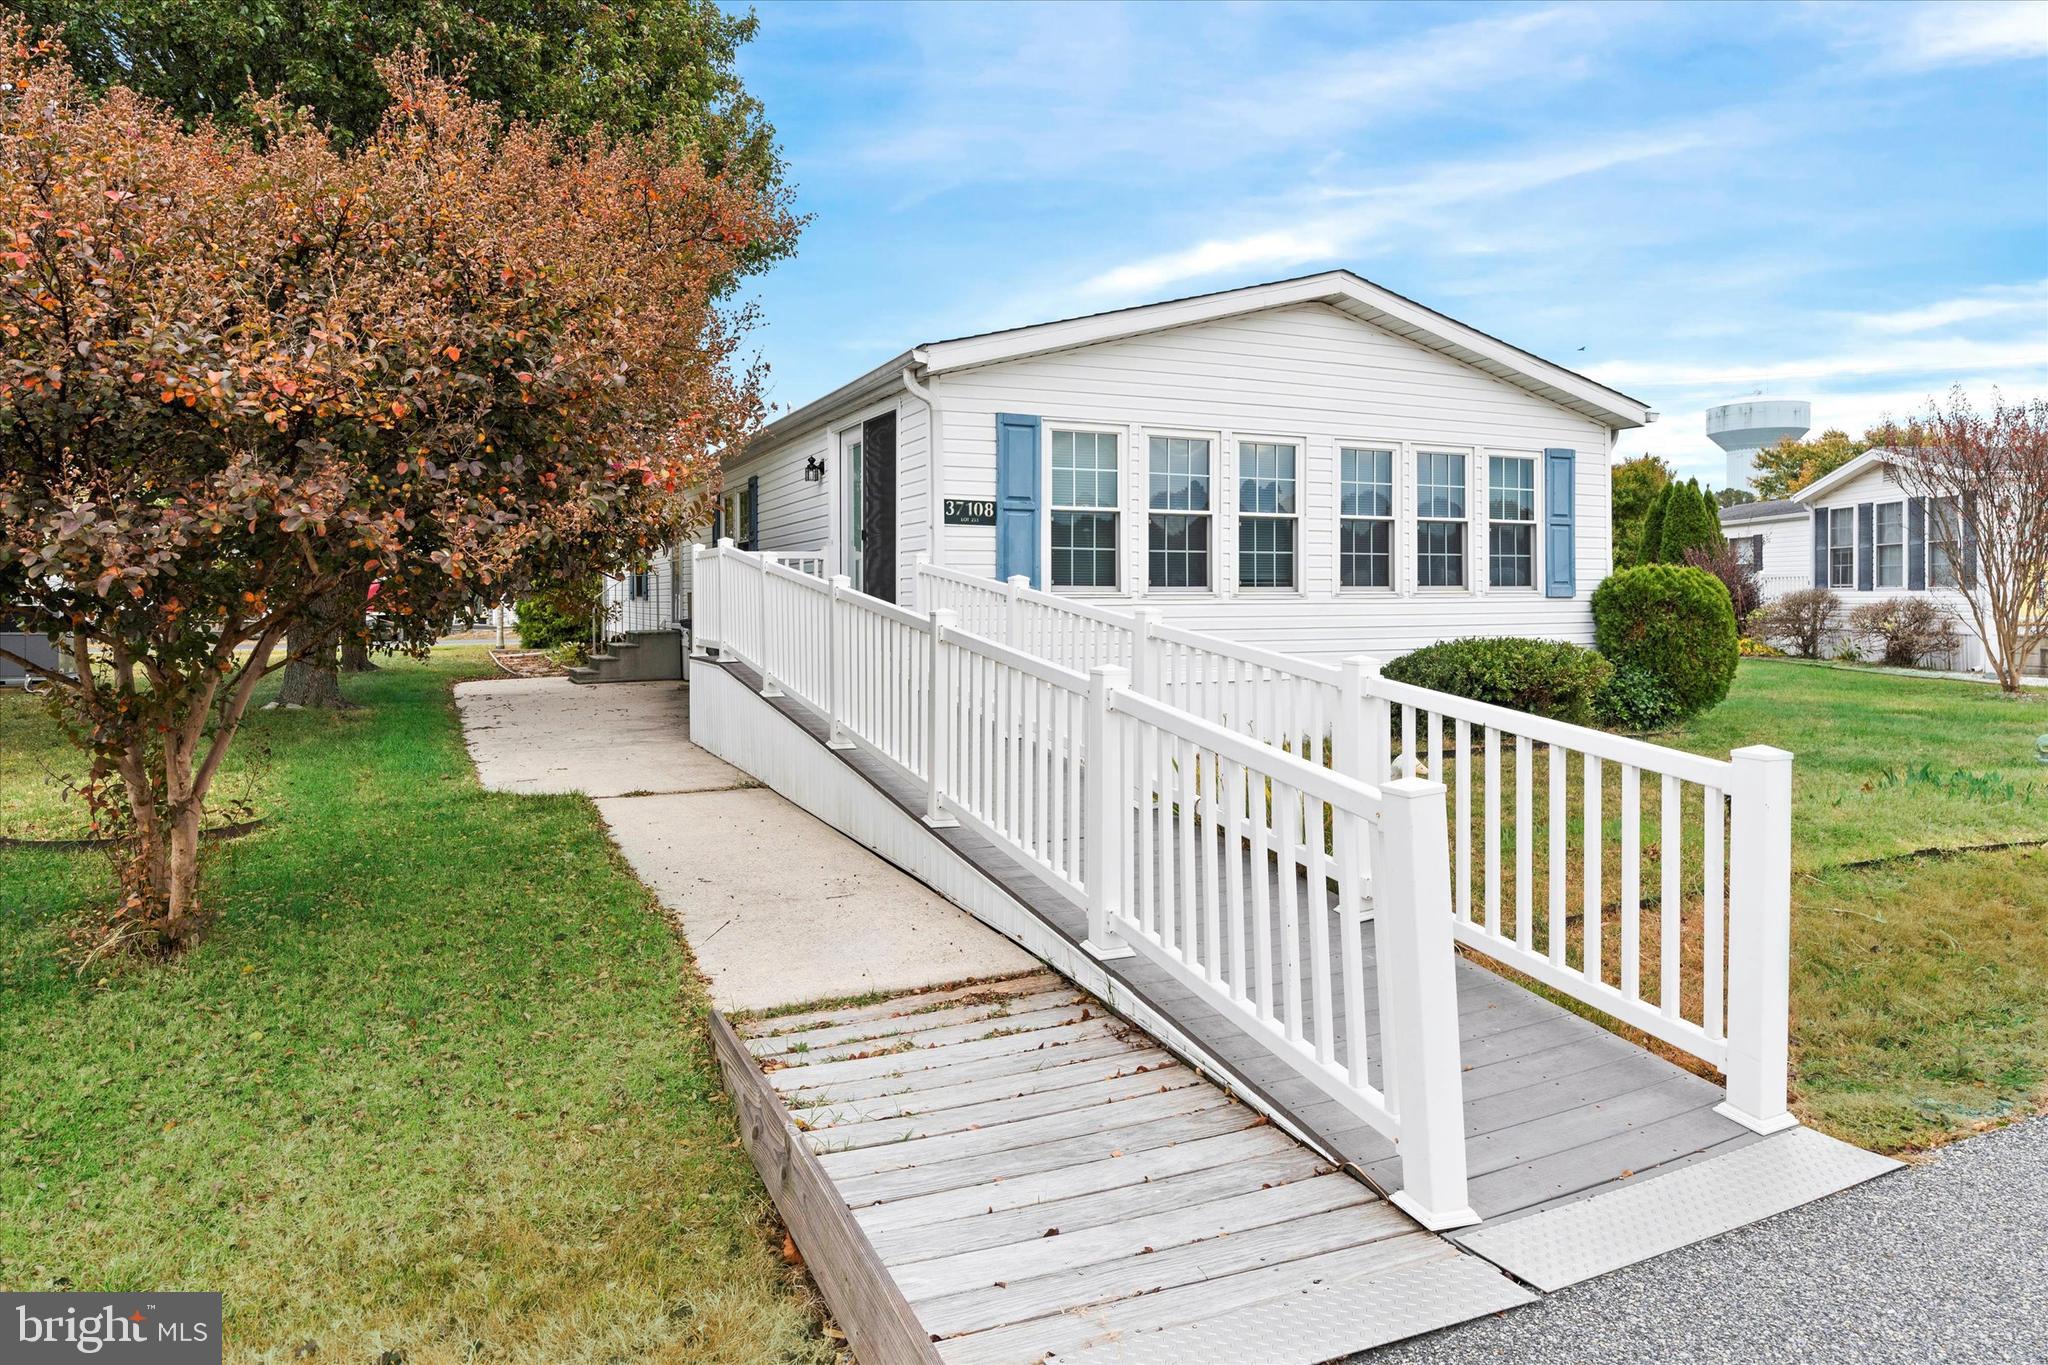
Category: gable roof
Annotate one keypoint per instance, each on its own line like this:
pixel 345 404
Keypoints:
pixel 1340 289
pixel 1840 475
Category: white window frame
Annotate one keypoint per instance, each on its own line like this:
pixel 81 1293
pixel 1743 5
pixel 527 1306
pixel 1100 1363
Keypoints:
pixel 1238 441
pixel 1416 450
pixel 1396 453
pixel 1121 434
pixel 1844 516
pixel 1533 460
pixel 1878 545
pixel 1141 476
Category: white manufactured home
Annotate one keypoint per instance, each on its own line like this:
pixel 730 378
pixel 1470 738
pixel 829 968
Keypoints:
pixel 1860 533
pixel 1316 465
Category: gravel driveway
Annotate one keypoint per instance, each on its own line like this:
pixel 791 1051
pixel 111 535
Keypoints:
pixel 1943 1261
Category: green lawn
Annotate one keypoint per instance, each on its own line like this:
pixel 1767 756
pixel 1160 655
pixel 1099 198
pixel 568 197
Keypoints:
pixel 1919 985
pixel 437 1084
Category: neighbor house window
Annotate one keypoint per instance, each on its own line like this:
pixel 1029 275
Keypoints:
pixel 1084 503
pixel 1891 545
pixel 1511 521
pixel 739 517
pixel 1265 514
pixel 1944 543
pixel 1365 509
pixel 1177 536
pixel 1745 554
pixel 1439 519
pixel 1842 547
pixel 636 585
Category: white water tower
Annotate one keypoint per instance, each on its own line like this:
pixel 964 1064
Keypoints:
pixel 1744 427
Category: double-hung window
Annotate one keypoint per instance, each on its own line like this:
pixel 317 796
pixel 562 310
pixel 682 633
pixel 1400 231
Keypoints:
pixel 1891 545
pixel 1511 521
pixel 1365 509
pixel 1266 514
pixel 1944 543
pixel 1842 547
pixel 1084 509
pixel 1745 554
pixel 1439 519
pixel 1177 497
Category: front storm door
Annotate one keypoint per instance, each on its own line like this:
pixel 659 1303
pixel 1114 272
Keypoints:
pixel 874 513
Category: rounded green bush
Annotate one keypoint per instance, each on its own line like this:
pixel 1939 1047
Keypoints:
pixel 1675 623
pixel 1542 677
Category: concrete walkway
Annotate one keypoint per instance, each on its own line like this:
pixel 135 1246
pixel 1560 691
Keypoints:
pixel 1946 1261
pixel 779 907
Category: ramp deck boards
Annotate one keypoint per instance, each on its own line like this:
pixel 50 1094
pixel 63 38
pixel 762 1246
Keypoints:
pixel 994 1218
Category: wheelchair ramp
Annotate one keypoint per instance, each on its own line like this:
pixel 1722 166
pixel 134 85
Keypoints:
pixel 1007 1172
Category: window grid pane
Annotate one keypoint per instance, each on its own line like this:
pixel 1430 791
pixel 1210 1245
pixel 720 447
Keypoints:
pixel 1440 524
pixel 1177 533
pixel 1084 549
pixel 1511 509
pixel 1265 478
pixel 1842 547
pixel 1439 486
pixel 1440 554
pixel 1365 553
pixel 1084 469
pixel 1265 552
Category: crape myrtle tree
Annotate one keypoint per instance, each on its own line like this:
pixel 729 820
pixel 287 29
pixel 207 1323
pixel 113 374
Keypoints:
pixel 1985 480
pixel 243 374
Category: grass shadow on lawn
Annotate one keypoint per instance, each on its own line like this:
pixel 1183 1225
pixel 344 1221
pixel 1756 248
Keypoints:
pixel 437 1083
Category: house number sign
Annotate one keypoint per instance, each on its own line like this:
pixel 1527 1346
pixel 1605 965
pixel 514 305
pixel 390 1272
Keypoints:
pixel 970 511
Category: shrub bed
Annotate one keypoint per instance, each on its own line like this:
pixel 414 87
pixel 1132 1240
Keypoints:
pixel 1542 677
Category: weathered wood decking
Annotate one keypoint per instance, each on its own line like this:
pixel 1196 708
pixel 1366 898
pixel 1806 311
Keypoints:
pixel 1033 1178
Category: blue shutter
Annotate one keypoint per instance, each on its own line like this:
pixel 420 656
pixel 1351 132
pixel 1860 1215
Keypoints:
pixel 1017 496
pixel 1916 544
pixel 1866 546
pixel 1820 547
pixel 753 511
pixel 1560 524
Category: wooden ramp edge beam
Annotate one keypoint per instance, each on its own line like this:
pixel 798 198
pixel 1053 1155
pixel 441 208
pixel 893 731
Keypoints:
pixel 863 1296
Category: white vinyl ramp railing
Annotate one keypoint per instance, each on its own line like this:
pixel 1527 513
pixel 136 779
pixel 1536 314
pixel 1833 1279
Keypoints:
pixel 1160 778
pixel 1649 883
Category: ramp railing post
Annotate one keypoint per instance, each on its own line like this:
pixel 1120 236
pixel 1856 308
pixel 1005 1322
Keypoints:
pixel 703 613
pixel 1106 816
pixel 1144 663
pixel 1360 736
pixel 764 628
pixel 835 662
pixel 939 703
pixel 727 601
pixel 1759 937
pixel 1419 1002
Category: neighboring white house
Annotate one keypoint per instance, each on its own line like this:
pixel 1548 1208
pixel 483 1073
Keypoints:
pixel 1316 465
pixel 1859 533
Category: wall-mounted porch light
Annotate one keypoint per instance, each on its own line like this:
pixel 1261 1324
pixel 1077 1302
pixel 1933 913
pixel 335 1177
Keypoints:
pixel 814 470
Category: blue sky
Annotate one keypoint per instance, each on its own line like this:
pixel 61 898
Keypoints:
pixel 1842 203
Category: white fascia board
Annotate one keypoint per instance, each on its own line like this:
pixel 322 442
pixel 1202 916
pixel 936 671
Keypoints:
pixel 853 394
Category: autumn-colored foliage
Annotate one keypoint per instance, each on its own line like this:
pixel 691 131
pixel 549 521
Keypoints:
pixel 240 374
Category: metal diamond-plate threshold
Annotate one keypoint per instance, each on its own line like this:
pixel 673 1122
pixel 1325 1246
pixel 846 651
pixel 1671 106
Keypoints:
pixel 1574 1242
pixel 1331 1319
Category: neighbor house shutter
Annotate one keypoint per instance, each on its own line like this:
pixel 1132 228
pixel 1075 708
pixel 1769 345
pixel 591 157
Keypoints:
pixel 1866 546
pixel 1916 544
pixel 753 511
pixel 1017 496
pixel 1560 524
pixel 1756 554
pixel 1970 543
pixel 1820 547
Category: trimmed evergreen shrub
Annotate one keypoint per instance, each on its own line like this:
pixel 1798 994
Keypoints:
pixel 544 625
pixel 1674 622
pixel 1653 526
pixel 1636 700
pixel 1542 677
pixel 1691 523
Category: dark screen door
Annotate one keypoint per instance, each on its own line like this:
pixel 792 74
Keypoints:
pixel 878 507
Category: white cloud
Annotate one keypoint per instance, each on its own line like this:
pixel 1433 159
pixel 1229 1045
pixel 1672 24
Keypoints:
pixel 1994 302
pixel 1937 356
pixel 1927 36
pixel 1369 212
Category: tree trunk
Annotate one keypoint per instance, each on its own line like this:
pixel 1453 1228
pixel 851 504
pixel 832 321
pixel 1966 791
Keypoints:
pixel 355 654
pixel 310 679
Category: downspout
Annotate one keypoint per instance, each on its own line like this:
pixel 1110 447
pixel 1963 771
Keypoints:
pixel 935 443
